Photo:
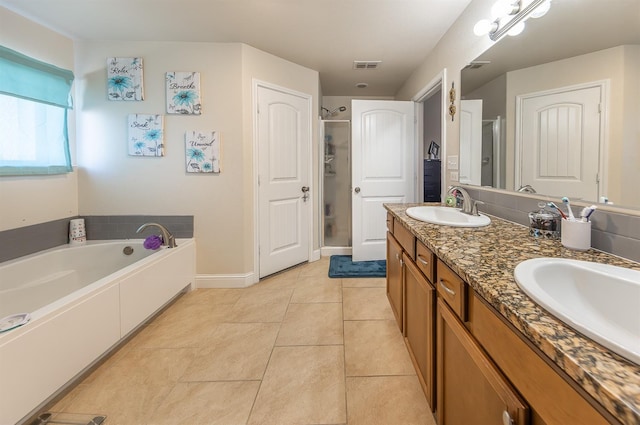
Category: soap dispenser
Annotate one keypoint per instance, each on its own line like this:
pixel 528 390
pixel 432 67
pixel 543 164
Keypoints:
pixel 544 223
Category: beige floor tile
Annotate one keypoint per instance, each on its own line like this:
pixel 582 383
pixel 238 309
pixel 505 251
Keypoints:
pixel 123 402
pixel 302 385
pixel 316 280
pixel 316 268
pixel 257 313
pixel 322 292
pixel 185 327
pixel 210 403
pixel 312 324
pixel 366 304
pixel 262 295
pixel 236 351
pixel 210 296
pixel 279 281
pixel 375 348
pixel 148 366
pixel 365 282
pixel 386 400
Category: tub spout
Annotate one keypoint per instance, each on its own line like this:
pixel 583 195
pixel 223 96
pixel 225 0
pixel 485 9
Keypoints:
pixel 168 239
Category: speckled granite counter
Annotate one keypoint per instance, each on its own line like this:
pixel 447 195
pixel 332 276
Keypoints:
pixel 485 257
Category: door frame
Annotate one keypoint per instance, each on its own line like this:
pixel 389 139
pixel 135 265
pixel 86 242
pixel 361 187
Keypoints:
pixel 255 85
pixel 603 152
pixel 437 82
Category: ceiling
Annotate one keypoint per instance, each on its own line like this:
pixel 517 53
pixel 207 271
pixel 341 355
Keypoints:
pixel 325 35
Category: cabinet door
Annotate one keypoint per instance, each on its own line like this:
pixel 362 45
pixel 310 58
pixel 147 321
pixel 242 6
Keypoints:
pixel 394 277
pixel 419 326
pixel 471 390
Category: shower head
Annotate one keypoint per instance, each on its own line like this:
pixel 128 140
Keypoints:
pixel 334 111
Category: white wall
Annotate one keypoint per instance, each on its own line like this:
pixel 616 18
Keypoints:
pixel 111 182
pixel 454 50
pixel 31 200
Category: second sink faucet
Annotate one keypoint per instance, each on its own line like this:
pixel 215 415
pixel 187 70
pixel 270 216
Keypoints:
pixel 469 206
pixel 168 239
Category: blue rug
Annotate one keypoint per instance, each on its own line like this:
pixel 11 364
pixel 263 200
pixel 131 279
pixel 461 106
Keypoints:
pixel 343 266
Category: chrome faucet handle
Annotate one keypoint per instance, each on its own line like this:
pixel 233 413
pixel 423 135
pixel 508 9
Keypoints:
pixel 474 208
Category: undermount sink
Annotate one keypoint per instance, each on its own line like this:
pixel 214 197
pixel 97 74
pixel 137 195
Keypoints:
pixel 599 300
pixel 447 216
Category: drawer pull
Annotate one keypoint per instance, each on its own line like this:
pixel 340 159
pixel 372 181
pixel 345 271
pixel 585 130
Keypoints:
pixel 446 289
pixel 422 260
pixel 506 418
pixel 398 257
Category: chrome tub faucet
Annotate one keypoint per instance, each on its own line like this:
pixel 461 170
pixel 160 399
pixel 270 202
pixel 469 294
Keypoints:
pixel 168 239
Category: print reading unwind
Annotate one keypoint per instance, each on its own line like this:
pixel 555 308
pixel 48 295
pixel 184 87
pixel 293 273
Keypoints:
pixel 202 152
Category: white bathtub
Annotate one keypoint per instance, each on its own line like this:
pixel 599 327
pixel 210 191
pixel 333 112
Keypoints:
pixel 82 301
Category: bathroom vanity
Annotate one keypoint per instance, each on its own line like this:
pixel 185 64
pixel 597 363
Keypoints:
pixel 483 351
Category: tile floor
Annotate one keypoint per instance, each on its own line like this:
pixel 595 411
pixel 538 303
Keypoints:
pixel 297 348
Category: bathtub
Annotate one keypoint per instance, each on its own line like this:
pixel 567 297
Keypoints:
pixel 82 300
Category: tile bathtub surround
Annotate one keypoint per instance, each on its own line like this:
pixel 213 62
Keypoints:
pixel 281 352
pixel 15 243
pixel 612 232
pixel 486 257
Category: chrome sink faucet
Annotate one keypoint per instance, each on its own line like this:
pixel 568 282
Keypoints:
pixel 469 206
pixel 168 239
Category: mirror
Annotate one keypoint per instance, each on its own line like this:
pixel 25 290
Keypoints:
pixel 576 45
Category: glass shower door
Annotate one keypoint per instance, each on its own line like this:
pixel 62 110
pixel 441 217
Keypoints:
pixel 336 183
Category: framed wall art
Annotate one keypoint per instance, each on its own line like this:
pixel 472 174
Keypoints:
pixel 202 152
pixel 125 79
pixel 146 135
pixel 183 93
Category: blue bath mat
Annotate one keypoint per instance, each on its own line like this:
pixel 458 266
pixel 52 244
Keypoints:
pixel 343 266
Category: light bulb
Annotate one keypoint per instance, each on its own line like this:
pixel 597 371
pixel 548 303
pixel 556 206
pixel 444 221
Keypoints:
pixel 484 27
pixel 516 29
pixel 541 10
pixel 502 8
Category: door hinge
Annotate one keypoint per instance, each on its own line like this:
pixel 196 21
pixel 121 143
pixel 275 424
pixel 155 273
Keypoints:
pixel 598 178
pixel 258 179
pixel 599 108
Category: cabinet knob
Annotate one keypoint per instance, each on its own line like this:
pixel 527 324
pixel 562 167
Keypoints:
pixel 506 418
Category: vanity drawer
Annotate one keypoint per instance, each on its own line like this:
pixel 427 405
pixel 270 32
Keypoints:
pixel 452 289
pixel 425 260
pixel 406 239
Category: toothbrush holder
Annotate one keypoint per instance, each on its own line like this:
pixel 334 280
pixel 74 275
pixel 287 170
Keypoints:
pixel 576 234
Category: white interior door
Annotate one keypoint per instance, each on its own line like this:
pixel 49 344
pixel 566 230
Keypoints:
pixel 284 139
pixel 382 170
pixel 471 141
pixel 559 142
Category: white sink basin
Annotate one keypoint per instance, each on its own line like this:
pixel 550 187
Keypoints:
pixel 447 216
pixel 599 300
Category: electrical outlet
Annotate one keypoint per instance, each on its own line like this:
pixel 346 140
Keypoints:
pixel 452 162
pixel 453 176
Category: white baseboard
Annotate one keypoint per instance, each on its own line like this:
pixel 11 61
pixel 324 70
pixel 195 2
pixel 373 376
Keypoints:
pixel 225 280
pixel 315 256
pixel 328 251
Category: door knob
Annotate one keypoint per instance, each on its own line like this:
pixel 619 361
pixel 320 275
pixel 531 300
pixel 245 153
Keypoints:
pixel 356 190
pixel 305 189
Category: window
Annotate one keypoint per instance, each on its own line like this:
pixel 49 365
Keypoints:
pixel 34 100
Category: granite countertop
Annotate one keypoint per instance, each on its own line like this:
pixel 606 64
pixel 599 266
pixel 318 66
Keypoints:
pixel 485 257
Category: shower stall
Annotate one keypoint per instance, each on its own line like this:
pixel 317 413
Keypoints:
pixel 336 182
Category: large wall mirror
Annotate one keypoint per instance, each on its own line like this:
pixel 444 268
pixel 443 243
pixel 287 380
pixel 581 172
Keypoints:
pixel 556 110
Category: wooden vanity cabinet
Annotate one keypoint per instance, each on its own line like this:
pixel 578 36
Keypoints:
pixel 471 389
pixel 395 288
pixel 419 325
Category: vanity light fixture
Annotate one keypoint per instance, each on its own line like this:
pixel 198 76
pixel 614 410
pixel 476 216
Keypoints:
pixel 508 17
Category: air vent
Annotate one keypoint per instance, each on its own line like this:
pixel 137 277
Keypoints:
pixel 476 64
pixel 366 64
